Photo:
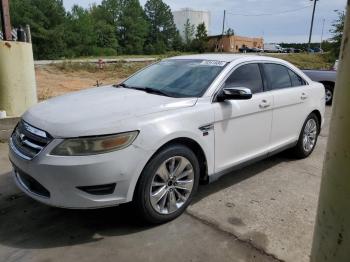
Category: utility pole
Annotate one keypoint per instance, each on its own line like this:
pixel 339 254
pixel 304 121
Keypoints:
pixel 312 21
pixel 223 31
pixel 5 20
pixel 332 231
pixel 323 21
pixel 223 23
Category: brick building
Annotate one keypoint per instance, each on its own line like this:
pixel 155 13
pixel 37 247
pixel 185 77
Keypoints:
pixel 233 43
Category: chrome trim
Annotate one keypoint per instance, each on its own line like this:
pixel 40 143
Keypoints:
pixel 28 143
pixel 34 130
pixel 206 128
pixel 28 138
pixel 12 146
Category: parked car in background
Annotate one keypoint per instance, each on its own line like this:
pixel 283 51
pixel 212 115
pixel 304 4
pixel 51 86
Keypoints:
pixel 289 50
pixel 246 49
pixel 152 138
pixel 273 48
pixel 325 77
pixel 318 50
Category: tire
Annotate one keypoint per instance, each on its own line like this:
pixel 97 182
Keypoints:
pixel 156 180
pixel 329 94
pixel 301 150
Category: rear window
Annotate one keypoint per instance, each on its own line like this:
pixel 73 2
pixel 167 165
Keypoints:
pixel 296 79
pixel 277 76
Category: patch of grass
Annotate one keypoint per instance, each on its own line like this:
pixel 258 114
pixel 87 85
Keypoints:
pixel 45 94
pixel 307 61
pixel 119 69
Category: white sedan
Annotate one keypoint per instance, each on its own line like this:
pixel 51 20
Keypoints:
pixel 152 138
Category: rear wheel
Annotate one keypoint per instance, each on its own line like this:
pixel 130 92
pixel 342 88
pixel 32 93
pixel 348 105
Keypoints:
pixel 329 94
pixel 167 184
pixel 308 137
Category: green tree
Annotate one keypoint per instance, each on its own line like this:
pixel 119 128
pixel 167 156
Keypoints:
pixel 200 43
pixel 230 32
pixel 105 36
pixel 337 31
pixel 133 28
pixel 106 26
pixel 188 34
pixel 81 37
pixel 111 10
pixel 162 27
pixel 47 21
pixel 178 42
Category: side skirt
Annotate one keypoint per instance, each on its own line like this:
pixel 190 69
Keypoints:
pixel 216 176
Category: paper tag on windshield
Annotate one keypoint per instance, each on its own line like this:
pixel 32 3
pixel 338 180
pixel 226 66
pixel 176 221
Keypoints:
pixel 213 63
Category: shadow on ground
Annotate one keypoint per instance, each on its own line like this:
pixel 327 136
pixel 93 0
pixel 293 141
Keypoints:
pixel 27 224
pixel 240 175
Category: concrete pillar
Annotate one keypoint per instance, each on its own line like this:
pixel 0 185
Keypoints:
pixel 17 78
pixel 332 231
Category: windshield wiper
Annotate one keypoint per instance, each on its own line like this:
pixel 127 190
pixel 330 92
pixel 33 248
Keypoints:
pixel 122 85
pixel 149 90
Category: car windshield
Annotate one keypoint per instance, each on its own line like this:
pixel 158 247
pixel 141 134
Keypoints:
pixel 177 78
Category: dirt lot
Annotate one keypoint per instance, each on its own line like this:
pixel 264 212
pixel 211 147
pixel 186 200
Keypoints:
pixel 58 79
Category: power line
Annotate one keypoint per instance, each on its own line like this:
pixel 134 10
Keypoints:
pixel 267 14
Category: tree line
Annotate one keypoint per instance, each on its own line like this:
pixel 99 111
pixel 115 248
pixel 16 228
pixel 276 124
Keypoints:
pixel 117 27
pixel 110 28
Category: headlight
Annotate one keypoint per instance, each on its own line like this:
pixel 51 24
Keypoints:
pixel 94 145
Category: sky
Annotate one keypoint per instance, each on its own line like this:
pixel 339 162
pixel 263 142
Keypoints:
pixel 279 25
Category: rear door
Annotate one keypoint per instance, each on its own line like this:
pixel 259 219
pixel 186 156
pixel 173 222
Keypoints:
pixel 290 94
pixel 242 127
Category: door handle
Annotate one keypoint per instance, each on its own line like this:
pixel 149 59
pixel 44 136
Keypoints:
pixel 304 96
pixel 264 104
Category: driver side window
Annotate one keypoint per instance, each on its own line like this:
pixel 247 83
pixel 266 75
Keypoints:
pixel 248 76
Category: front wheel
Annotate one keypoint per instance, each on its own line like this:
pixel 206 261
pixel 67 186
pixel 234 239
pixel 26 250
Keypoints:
pixel 167 184
pixel 308 137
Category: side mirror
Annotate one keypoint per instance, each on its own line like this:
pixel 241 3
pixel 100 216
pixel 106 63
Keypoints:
pixel 234 93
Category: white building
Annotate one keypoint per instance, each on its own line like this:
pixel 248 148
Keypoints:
pixel 195 18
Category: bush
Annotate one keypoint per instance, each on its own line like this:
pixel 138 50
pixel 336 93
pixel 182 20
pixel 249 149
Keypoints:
pixel 99 51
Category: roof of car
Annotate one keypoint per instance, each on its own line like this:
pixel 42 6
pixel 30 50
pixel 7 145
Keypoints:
pixel 226 57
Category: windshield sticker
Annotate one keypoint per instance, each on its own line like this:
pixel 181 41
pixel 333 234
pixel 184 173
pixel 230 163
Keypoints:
pixel 213 63
pixel 166 62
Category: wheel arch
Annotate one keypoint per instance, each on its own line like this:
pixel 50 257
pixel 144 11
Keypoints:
pixel 328 83
pixel 319 117
pixel 195 147
pixel 191 144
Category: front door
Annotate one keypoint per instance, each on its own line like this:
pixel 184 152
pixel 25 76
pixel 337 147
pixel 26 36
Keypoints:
pixel 242 127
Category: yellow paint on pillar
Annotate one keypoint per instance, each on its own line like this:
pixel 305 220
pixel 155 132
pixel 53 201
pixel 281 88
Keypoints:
pixel 17 77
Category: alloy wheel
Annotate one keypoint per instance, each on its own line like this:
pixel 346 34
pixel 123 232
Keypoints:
pixel 329 95
pixel 310 135
pixel 172 185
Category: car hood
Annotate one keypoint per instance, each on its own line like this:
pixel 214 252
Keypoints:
pixel 98 111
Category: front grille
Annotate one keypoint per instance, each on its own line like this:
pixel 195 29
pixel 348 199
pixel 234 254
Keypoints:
pixel 31 184
pixel 28 141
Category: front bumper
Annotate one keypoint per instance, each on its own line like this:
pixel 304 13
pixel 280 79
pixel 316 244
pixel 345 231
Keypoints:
pixel 61 176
